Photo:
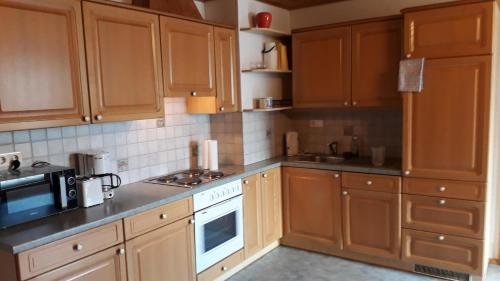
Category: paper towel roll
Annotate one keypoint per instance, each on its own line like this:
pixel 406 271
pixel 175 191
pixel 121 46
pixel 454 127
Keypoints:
pixel 213 156
pixel 204 154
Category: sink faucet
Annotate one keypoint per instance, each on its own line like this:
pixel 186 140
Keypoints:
pixel 333 147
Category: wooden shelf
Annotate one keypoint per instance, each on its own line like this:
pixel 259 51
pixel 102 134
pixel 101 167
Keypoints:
pixel 266 71
pixel 266 31
pixel 267 109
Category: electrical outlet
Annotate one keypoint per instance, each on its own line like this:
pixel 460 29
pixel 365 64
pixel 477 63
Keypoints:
pixel 316 123
pixel 6 158
pixel 160 123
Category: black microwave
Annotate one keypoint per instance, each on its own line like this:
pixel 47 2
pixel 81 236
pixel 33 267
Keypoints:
pixel 34 193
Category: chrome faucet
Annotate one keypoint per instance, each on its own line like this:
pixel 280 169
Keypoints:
pixel 334 148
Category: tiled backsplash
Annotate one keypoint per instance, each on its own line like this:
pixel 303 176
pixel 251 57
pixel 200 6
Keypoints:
pixel 149 150
pixel 227 129
pixel 373 127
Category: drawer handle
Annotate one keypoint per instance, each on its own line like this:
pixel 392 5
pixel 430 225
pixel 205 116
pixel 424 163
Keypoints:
pixel 120 252
pixel 407 172
pixel 163 216
pixel 224 268
pixel 345 193
pixel 194 93
pixel 442 202
pixel 442 188
pixel 336 176
pixel 441 237
pixel 369 182
pixel 78 247
pixel 245 182
pixel 264 175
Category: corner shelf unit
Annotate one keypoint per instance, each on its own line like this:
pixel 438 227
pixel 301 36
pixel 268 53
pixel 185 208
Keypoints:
pixel 268 109
pixel 266 31
pixel 271 71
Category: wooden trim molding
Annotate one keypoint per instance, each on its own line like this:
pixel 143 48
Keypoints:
pixel 347 23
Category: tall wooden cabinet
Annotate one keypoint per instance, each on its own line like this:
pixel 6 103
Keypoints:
pixel 312 209
pixel 322 68
pixel 252 214
pixel 272 222
pixel 188 58
pixel 124 63
pixel 43 78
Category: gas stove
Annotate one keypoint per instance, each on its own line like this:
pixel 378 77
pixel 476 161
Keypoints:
pixel 188 178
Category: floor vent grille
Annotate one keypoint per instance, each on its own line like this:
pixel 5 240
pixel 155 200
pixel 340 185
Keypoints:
pixel 441 273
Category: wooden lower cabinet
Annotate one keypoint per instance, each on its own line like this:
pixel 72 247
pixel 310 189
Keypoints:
pixel 165 254
pixel 443 251
pixel 371 223
pixel 272 222
pixel 107 265
pixel 252 214
pixel 312 209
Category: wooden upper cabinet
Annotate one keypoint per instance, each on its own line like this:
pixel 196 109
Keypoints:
pixel 272 222
pixel 376 52
pixel 322 68
pixel 371 223
pixel 252 214
pixel 107 265
pixel 311 206
pixel 43 80
pixel 446 126
pixel 226 65
pixel 163 254
pixel 461 30
pixel 124 63
pixel 188 58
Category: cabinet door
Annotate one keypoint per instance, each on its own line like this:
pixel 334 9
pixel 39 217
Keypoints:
pixel 446 126
pixel 311 204
pixel 188 58
pixel 165 254
pixel 226 65
pixel 124 63
pixel 43 80
pixel 322 68
pixel 372 223
pixel 252 214
pixel 107 265
pixel 271 206
pixel 376 52
pixel 462 30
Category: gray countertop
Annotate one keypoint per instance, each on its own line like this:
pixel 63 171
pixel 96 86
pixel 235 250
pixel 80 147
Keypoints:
pixel 138 197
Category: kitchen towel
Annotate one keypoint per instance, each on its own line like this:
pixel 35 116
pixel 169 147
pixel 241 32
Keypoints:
pixel 213 156
pixel 204 154
pixel 411 75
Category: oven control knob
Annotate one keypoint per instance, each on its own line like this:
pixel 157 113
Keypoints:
pixel 72 193
pixel 70 180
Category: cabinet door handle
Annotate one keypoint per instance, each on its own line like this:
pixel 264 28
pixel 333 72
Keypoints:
pixel 369 182
pixel 264 175
pixel 354 103
pixel 345 193
pixel 191 221
pixel 221 108
pixel 408 56
pixel 224 268
pixel 98 117
pixel 245 182
pixel 194 93
pixel 441 237
pixel 163 216
pixel 86 118
pixel 120 252
pixel 78 247
pixel 336 176
pixel 442 188
pixel 346 103
pixel 407 172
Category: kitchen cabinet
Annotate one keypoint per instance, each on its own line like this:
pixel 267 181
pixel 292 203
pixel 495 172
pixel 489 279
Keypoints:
pixel 322 68
pixel 188 58
pixel 371 223
pixel 312 209
pixel 445 131
pixel 163 254
pixel 252 214
pixel 227 82
pixel 376 52
pixel 272 223
pixel 107 265
pixel 461 30
pixel 43 79
pixel 124 63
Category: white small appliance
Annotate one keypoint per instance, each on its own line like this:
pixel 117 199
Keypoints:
pixel 97 164
pixel 292 143
pixel 89 192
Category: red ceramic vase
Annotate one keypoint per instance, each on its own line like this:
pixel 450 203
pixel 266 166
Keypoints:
pixel 263 19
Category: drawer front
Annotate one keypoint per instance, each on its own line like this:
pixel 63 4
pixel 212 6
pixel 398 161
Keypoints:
pixel 53 255
pixel 445 188
pixel 443 251
pixel 150 220
pixel 372 182
pixel 222 267
pixel 448 216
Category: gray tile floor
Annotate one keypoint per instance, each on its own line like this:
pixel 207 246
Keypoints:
pixel 287 264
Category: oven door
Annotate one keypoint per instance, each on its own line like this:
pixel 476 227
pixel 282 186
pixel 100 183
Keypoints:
pixel 218 232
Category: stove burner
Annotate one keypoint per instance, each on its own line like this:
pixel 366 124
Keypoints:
pixel 188 181
pixel 167 179
pixel 213 175
pixel 195 173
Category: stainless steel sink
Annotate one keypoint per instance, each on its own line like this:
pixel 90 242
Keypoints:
pixel 317 158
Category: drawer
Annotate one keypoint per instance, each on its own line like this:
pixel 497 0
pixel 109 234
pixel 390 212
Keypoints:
pixel 445 188
pixel 372 182
pixel 448 216
pixel 56 254
pixel 443 251
pixel 222 267
pixel 158 217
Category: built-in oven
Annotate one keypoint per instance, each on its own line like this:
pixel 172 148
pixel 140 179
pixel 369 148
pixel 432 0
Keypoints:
pixel 218 227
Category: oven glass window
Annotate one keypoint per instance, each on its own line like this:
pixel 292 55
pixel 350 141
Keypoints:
pixel 219 231
pixel 29 198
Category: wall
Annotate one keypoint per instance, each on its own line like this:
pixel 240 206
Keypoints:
pixel 227 129
pixel 149 150
pixel 351 10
